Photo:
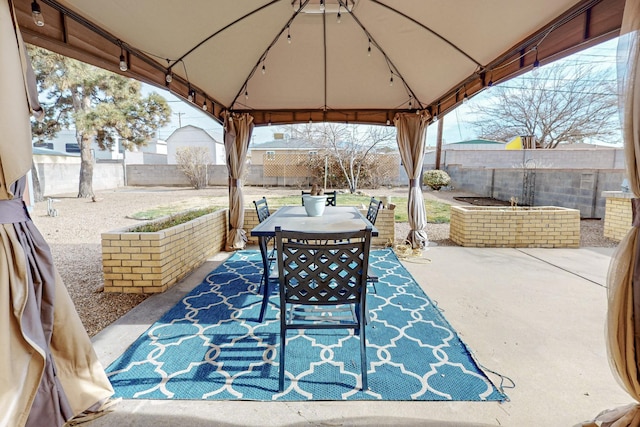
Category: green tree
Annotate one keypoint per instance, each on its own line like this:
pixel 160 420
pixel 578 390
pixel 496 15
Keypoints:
pixel 100 105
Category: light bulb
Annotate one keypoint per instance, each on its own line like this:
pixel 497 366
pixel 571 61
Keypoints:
pixel 204 105
pixel 388 122
pixel 391 81
pixel 339 18
pixel 246 94
pixel 168 78
pixel 190 96
pixel 322 5
pixel 536 66
pixel 36 14
pixel 465 99
pixel 123 63
pixel 435 118
pixel 264 69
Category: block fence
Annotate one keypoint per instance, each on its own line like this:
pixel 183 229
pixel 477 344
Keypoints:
pixel 152 262
pixel 538 227
pixel 618 214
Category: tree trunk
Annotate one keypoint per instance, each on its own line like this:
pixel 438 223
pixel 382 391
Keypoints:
pixel 38 193
pixel 85 188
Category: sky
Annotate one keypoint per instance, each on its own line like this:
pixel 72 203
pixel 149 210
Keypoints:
pixel 457 124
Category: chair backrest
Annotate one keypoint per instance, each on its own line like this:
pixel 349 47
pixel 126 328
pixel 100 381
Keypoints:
pixel 323 268
pixel 331 197
pixel 372 212
pixel 262 209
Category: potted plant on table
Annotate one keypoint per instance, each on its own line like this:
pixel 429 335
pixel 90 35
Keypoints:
pixel 315 202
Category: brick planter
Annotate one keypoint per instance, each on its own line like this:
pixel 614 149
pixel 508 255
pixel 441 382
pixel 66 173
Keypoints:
pixel 618 214
pixel 151 262
pixel 519 227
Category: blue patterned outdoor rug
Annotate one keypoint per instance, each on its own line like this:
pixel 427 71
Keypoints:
pixel 210 346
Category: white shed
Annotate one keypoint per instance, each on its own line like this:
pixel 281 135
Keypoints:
pixel 192 136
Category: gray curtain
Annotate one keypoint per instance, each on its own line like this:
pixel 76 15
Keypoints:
pixel 237 135
pixel 49 372
pixel 623 280
pixel 411 135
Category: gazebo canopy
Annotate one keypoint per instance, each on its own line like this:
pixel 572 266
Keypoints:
pixel 357 61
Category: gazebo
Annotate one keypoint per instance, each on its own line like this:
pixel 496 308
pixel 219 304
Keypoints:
pixel 261 62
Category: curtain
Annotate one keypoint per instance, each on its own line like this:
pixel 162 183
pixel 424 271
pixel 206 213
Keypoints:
pixel 623 279
pixel 237 135
pixel 411 135
pixel 49 372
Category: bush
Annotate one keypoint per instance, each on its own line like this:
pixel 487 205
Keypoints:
pixel 436 179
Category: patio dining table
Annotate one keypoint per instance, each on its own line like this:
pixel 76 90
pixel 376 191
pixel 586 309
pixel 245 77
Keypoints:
pixel 295 218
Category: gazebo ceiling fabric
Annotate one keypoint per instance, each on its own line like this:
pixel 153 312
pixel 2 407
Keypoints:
pixel 288 62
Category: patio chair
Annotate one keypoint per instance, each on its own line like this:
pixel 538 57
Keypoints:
pixel 372 212
pixel 268 256
pixel 323 285
pixel 331 197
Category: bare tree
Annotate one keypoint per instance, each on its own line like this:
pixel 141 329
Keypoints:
pixel 349 146
pixel 557 104
pixel 193 161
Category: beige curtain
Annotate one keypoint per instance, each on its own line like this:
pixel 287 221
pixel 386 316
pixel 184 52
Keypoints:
pixel 237 135
pixel 623 280
pixel 411 135
pixel 49 372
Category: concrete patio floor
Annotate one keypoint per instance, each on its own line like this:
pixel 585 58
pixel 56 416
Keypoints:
pixel 536 316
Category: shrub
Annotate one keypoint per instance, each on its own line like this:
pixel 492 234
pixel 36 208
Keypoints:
pixel 436 179
pixel 192 161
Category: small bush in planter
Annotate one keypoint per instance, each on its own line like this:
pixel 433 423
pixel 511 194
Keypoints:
pixel 436 179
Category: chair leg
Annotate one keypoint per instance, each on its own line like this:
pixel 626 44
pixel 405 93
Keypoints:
pixel 265 297
pixel 283 342
pixel 363 354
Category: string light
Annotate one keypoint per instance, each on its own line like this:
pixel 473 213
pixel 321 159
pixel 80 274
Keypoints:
pixel 391 80
pixel 288 34
pixel 339 17
pixel 36 14
pixel 264 69
pixel 190 95
pixel 369 48
pixel 168 77
pixel 322 5
pixel 123 63
pixel 536 63
pixel 204 105
pixel 246 94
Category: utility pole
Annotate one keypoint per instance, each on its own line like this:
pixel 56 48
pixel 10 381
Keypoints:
pixel 179 118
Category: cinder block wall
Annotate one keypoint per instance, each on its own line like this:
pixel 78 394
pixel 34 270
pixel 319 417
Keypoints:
pixel 619 215
pixel 570 188
pixel 385 223
pixel 152 262
pixel 540 227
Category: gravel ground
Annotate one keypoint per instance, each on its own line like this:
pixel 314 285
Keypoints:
pixel 74 237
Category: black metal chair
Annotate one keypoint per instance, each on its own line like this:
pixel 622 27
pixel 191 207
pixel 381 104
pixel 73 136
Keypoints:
pixel 372 212
pixel 331 197
pixel 268 256
pixel 323 285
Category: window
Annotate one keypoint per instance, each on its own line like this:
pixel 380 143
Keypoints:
pixel 313 153
pixel 271 155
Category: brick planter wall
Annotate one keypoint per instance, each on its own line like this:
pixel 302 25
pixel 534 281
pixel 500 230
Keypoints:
pixel 618 214
pixel 385 223
pixel 152 262
pixel 520 227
